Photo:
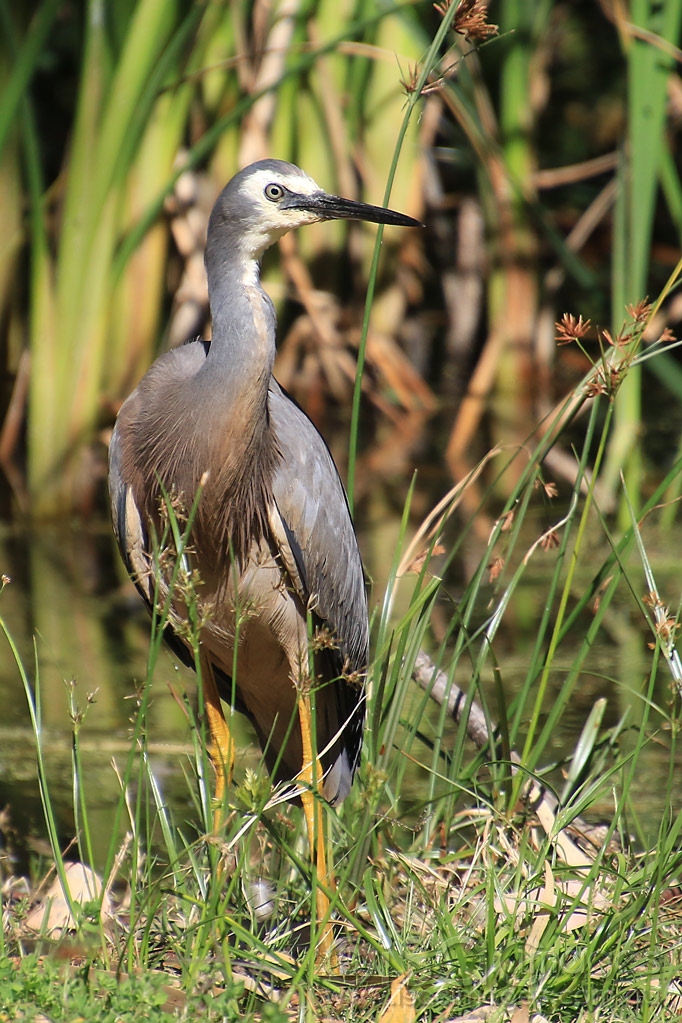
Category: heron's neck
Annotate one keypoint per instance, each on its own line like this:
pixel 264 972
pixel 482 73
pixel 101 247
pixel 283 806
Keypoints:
pixel 238 446
pixel 242 350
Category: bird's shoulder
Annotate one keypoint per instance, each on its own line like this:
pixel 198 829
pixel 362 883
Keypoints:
pixel 164 378
pixel 174 366
pixel 147 412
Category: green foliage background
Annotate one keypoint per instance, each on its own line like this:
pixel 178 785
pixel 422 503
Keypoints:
pixel 104 104
pixel 561 136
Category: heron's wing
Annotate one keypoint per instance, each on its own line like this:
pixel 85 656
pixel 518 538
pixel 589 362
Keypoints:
pixel 126 488
pixel 315 532
pixel 134 544
pixel 311 524
pixel 126 520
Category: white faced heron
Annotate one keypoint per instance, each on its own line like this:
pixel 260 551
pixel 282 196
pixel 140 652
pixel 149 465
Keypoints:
pixel 272 538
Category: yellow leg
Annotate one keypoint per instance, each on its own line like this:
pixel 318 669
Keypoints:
pixel 311 777
pixel 222 745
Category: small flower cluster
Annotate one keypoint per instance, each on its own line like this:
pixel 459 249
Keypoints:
pixel 609 372
pixel 570 330
pixel 471 22
pixel 667 625
pixel 547 542
pixel 471 19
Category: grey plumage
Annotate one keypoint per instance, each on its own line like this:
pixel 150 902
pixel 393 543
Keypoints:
pixel 273 538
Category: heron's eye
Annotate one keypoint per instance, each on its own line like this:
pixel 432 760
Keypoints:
pixel 274 192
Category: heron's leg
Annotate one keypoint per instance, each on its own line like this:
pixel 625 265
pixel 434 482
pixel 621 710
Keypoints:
pixel 311 780
pixel 221 751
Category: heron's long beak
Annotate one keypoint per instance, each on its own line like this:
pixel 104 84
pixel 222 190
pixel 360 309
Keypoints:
pixel 334 207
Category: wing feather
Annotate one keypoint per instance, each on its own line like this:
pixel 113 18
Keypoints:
pixel 313 509
pixel 312 526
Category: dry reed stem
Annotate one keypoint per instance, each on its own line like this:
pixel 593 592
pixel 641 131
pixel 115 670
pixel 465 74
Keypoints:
pixel 439 515
pixel 255 134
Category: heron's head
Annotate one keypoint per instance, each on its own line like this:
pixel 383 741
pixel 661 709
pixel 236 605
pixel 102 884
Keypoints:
pixel 271 197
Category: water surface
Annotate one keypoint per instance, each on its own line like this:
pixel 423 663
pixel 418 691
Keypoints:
pixel 72 612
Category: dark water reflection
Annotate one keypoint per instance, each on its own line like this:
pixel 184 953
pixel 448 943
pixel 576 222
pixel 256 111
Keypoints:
pixel 71 610
pixel 70 592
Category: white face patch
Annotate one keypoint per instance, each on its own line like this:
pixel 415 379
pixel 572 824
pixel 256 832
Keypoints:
pixel 272 220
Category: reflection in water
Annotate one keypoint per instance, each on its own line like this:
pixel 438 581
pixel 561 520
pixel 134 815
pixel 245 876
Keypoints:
pixel 71 593
pixel 68 593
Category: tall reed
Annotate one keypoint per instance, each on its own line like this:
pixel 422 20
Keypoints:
pixel 162 86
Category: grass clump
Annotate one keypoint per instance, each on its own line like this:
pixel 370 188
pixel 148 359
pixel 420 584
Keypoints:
pixel 39 987
pixel 479 866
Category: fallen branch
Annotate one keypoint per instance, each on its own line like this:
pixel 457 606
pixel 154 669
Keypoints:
pixel 576 844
